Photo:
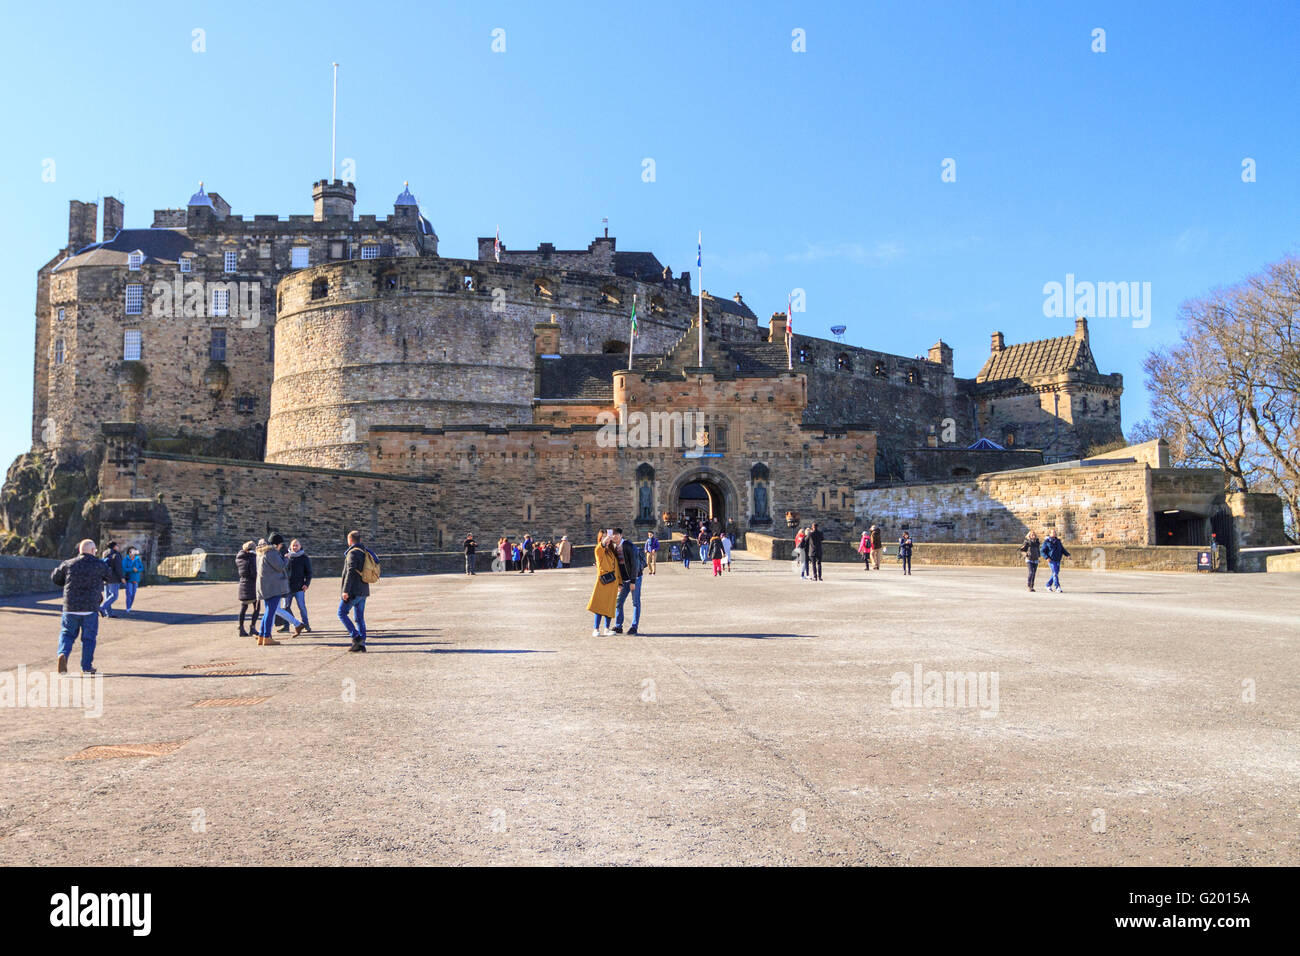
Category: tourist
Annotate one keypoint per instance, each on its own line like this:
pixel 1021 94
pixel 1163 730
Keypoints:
pixel 132 574
pixel 527 559
pixel 1053 550
pixel 246 569
pixel 113 561
pixel 629 569
pixel 726 550
pixel 82 579
pixel 715 554
pixel 1030 550
pixel 272 586
pixel 876 548
pixel 905 552
pixel 702 539
pixel 355 590
pixel 687 547
pixel 814 545
pixel 469 547
pixel 651 552
pixel 299 581
pixel 503 553
pixel 605 592
pixel 864 549
pixel 801 552
pixel 564 552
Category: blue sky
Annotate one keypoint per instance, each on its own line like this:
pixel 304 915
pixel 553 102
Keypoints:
pixel 818 170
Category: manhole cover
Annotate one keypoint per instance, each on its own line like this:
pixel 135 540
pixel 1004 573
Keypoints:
pixel 105 751
pixel 237 672
pixel 230 701
pixel 196 667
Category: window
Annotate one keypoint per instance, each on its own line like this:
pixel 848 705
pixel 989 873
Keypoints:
pixel 185 263
pixel 803 356
pixel 131 345
pixel 370 251
pixel 58 351
pixel 320 288
pixel 220 301
pixel 913 376
pixel 245 404
pixel 1009 439
pixel 133 261
pixel 217 346
pixel 62 314
pixel 467 282
pixel 337 251
pixel 842 362
pixel 879 370
pixel 719 436
pixel 232 261
pixel 134 299
pixel 1083 404
pixel 300 258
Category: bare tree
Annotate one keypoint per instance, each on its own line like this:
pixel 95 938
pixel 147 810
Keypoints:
pixel 1227 394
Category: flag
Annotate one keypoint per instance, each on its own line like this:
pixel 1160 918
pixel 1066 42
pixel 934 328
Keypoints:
pixel 789 317
pixel 634 315
pixel 699 252
pixel 496 245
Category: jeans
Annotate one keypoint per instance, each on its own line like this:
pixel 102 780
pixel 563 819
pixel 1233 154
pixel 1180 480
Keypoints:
pixel 286 612
pixel 88 626
pixel 110 595
pixel 357 605
pixel 597 626
pixel 686 558
pixel 1033 571
pixel 907 564
pixel 1055 579
pixel 268 615
pixel 469 564
pixel 131 588
pixel 623 591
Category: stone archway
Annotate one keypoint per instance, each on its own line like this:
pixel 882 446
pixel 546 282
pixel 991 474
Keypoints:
pixel 707 492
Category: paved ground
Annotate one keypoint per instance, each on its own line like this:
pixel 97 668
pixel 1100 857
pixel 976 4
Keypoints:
pixel 752 723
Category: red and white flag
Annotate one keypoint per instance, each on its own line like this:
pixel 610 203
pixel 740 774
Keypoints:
pixel 496 245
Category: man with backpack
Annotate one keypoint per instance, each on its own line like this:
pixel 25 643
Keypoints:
pixel 630 568
pixel 360 570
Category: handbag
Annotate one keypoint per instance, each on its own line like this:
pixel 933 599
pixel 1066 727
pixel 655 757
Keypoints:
pixel 609 577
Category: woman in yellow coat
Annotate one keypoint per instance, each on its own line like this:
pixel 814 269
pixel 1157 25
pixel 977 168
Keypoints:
pixel 604 595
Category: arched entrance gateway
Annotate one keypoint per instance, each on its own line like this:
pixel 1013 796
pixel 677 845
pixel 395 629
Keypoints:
pixel 701 495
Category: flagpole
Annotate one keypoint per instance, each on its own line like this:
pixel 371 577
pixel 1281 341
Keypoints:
pixel 631 339
pixel 789 335
pixel 334 120
pixel 699 265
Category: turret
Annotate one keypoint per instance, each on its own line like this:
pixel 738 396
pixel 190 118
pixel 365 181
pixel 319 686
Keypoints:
pixel 333 200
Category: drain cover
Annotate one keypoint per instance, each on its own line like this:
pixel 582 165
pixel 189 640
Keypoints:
pixel 105 751
pixel 237 672
pixel 230 701
pixel 196 667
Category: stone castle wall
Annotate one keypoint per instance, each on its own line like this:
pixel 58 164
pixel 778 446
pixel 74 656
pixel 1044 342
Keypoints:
pixel 405 342
pixel 1096 505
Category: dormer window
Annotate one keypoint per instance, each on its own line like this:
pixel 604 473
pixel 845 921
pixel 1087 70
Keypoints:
pixel 185 264
pixel 370 251
pixel 134 260
pixel 231 261
pixel 300 257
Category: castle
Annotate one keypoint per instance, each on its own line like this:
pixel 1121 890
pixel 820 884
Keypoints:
pixel 215 375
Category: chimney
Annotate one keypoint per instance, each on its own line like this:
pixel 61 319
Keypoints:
pixel 998 342
pixel 1081 329
pixel 81 223
pixel 546 338
pixel 114 213
pixel 738 299
pixel 776 330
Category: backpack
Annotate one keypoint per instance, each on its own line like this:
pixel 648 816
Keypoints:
pixel 369 567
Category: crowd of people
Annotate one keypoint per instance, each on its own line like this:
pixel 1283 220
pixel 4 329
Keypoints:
pixel 274 577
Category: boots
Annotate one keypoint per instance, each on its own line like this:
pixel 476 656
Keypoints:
pixel 267 641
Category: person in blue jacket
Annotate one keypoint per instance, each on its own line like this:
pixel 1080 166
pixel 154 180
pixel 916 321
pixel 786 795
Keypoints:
pixel 132 573
pixel 1053 550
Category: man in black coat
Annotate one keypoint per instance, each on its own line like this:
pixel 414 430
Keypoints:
pixel 815 539
pixel 299 580
pixel 355 591
pixel 82 579
pixel 630 567
pixel 470 548
pixel 113 561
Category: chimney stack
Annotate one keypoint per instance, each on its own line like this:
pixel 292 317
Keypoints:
pixel 777 329
pixel 998 342
pixel 1081 329
pixel 81 223
pixel 114 213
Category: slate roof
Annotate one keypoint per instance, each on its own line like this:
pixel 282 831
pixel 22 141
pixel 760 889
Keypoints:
pixel 587 378
pixel 638 265
pixel 1028 360
pixel 158 245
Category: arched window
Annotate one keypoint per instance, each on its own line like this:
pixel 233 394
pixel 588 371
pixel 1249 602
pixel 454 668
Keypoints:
pixel 879 370
pixel 320 288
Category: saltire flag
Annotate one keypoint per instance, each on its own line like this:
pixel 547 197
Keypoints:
pixel 699 252
pixel 496 245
